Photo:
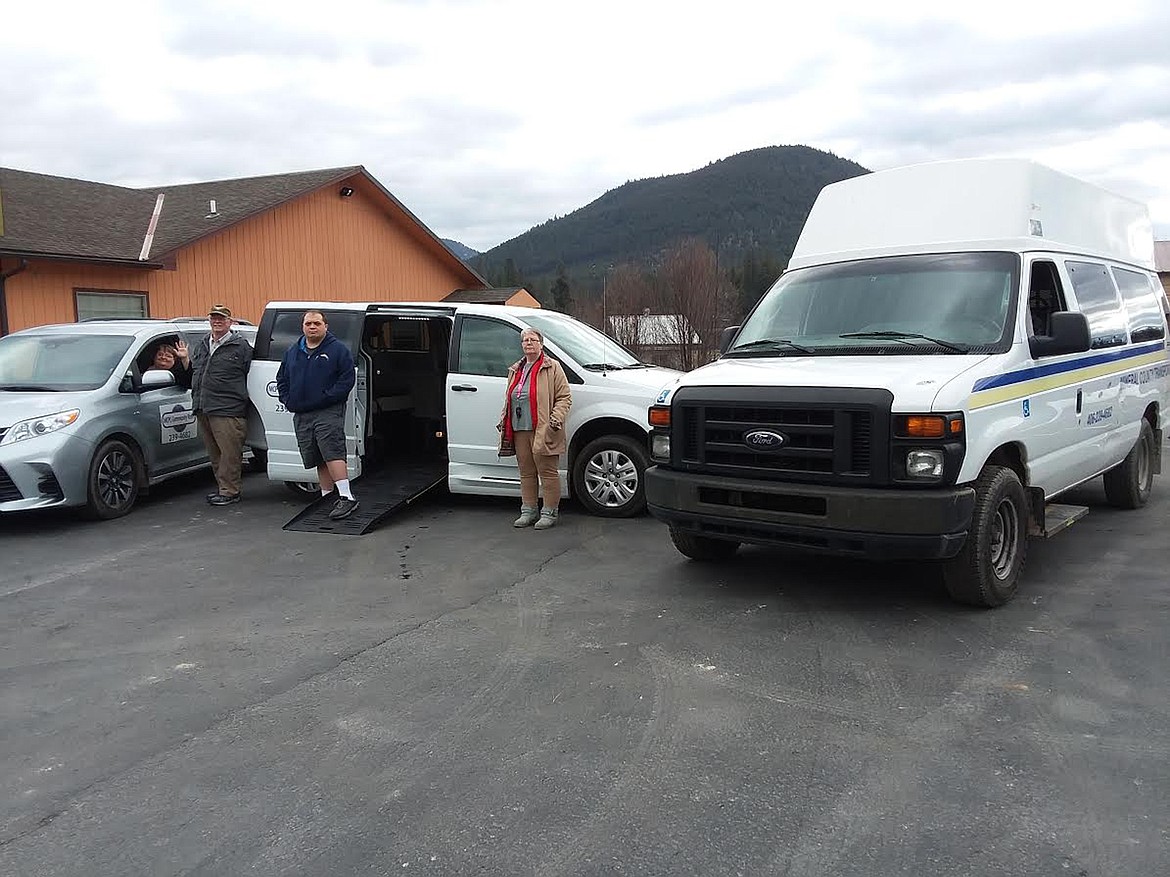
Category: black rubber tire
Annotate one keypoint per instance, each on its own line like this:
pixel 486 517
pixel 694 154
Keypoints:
pixel 306 490
pixel 702 548
pixel 620 457
pixel 986 572
pixel 1128 484
pixel 115 478
pixel 258 462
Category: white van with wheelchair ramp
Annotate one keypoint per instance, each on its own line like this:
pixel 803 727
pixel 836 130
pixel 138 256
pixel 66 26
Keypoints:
pixel 429 394
pixel 953 346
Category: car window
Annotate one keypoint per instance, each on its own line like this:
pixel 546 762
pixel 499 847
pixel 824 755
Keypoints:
pixel 1142 307
pixel 60 362
pixel 487 347
pixel 1097 298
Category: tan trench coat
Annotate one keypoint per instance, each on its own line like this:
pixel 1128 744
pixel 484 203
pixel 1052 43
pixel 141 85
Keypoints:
pixel 553 400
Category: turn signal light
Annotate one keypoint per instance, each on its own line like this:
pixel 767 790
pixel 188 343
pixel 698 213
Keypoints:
pixel 924 426
pixel 660 415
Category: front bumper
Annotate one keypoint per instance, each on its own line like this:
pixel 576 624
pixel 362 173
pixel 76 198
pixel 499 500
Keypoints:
pixel 866 522
pixel 44 472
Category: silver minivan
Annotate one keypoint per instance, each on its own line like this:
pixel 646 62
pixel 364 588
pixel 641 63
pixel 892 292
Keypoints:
pixel 84 421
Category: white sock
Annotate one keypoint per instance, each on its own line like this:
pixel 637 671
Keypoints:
pixel 325 492
pixel 343 488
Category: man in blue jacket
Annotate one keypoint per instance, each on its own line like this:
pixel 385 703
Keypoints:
pixel 314 381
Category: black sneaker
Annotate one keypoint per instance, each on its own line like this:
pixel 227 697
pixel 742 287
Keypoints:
pixel 343 508
pixel 224 498
pixel 212 496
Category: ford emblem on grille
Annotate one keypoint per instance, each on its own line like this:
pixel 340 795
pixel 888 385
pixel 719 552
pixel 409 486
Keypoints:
pixel 764 440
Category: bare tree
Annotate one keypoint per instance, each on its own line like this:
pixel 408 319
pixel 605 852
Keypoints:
pixel 695 299
pixel 630 295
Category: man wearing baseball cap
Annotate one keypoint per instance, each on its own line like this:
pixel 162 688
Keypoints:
pixel 218 378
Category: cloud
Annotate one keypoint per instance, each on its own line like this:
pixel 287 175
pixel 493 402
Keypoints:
pixel 489 118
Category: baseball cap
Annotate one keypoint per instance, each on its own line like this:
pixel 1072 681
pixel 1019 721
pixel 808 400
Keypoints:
pixel 220 311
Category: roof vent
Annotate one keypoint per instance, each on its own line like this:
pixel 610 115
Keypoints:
pixel 211 211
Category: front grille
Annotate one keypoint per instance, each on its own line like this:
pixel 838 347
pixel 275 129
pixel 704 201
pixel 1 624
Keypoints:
pixel 828 435
pixel 8 490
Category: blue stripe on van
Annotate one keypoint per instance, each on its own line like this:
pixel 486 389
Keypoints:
pixel 1055 368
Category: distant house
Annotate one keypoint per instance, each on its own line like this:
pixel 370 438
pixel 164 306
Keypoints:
pixel 1162 263
pixel 72 249
pixel 664 339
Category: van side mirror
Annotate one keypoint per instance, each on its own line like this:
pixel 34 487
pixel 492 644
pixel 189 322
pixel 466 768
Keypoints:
pixel 726 337
pixel 155 378
pixel 1069 334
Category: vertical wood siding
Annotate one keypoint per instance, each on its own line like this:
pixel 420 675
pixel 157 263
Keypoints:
pixel 320 247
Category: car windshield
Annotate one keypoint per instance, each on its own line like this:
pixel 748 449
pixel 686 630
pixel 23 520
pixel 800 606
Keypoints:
pixel 582 342
pixel 59 362
pixel 950 303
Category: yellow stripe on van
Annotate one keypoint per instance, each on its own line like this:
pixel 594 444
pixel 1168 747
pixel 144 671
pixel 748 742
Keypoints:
pixel 987 398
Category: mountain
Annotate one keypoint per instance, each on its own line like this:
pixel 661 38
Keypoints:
pixel 463 251
pixel 753 202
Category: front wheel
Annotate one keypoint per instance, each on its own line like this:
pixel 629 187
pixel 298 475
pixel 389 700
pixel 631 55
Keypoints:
pixel 987 571
pixel 1128 484
pixel 115 476
pixel 609 477
pixel 702 547
pixel 304 489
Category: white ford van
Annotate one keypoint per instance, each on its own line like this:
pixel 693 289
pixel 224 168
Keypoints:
pixel 952 346
pixel 430 390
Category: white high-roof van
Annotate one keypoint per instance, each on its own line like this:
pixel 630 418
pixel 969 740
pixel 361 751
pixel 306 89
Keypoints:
pixel 952 346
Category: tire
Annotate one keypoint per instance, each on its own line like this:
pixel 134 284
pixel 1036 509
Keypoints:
pixel 702 548
pixel 609 477
pixel 306 490
pixel 987 571
pixel 115 477
pixel 1128 484
pixel 258 461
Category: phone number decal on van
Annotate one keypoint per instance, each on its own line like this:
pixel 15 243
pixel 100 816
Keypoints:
pixel 177 423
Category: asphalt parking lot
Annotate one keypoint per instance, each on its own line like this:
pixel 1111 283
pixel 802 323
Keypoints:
pixel 192 690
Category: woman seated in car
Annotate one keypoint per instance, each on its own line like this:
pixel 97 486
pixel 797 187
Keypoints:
pixel 164 358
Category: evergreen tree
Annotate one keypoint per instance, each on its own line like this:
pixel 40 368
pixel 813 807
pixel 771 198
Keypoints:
pixel 562 297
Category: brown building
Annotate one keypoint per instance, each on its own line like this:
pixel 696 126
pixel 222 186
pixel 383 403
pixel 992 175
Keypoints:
pixel 72 250
pixel 1162 263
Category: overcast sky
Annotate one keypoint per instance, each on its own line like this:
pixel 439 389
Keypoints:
pixel 486 117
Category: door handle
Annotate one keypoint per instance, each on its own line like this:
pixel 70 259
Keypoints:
pixel 1080 399
pixel 464 388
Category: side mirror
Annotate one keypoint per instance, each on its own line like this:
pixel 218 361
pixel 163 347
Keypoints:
pixel 726 337
pixel 155 378
pixel 1070 334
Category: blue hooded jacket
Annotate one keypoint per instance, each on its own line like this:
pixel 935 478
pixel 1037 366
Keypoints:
pixel 309 380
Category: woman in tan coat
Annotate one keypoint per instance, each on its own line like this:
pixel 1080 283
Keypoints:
pixel 532 428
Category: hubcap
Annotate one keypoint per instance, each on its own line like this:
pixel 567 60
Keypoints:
pixel 1005 539
pixel 115 479
pixel 1143 466
pixel 611 478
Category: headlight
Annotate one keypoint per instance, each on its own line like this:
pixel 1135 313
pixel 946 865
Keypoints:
pixel 924 464
pixel 39 426
pixel 660 446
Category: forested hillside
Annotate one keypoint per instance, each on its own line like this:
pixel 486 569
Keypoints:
pixel 748 208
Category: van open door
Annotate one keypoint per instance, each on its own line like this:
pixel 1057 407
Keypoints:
pixel 284 457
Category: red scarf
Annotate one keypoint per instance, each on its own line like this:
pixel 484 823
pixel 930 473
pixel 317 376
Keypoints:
pixel 509 436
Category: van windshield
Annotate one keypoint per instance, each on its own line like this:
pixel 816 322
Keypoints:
pixel 582 342
pixel 950 303
pixel 48 363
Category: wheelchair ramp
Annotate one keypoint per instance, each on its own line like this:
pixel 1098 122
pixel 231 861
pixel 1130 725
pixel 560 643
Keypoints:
pixel 380 495
pixel 1058 516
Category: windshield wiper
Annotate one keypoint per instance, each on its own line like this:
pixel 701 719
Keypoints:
pixel 29 388
pixel 603 367
pixel 770 342
pixel 906 336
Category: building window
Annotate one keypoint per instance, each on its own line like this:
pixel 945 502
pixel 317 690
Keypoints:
pixel 94 304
